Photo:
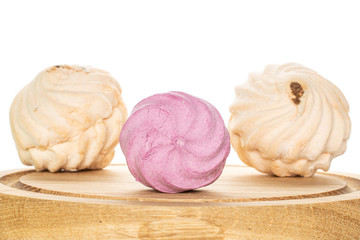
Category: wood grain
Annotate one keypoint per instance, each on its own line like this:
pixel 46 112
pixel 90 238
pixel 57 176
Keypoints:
pixel 242 204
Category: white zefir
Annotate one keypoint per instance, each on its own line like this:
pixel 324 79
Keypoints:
pixel 289 121
pixel 68 118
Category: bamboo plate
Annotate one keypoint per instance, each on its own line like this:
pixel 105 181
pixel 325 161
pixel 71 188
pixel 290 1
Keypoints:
pixel 242 204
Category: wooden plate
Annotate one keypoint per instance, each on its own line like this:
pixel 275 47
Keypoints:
pixel 242 204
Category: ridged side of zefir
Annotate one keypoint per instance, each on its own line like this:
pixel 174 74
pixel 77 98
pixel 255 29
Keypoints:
pixel 175 142
pixel 68 118
pixel 288 120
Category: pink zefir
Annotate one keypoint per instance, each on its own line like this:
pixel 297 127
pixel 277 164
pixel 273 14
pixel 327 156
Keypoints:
pixel 174 142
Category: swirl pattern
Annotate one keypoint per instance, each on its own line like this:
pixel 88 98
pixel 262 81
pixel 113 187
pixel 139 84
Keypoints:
pixel 288 120
pixel 175 142
pixel 68 118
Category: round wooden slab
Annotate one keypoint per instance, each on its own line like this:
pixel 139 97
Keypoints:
pixel 242 204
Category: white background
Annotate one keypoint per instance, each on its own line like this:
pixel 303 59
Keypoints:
pixel 204 48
